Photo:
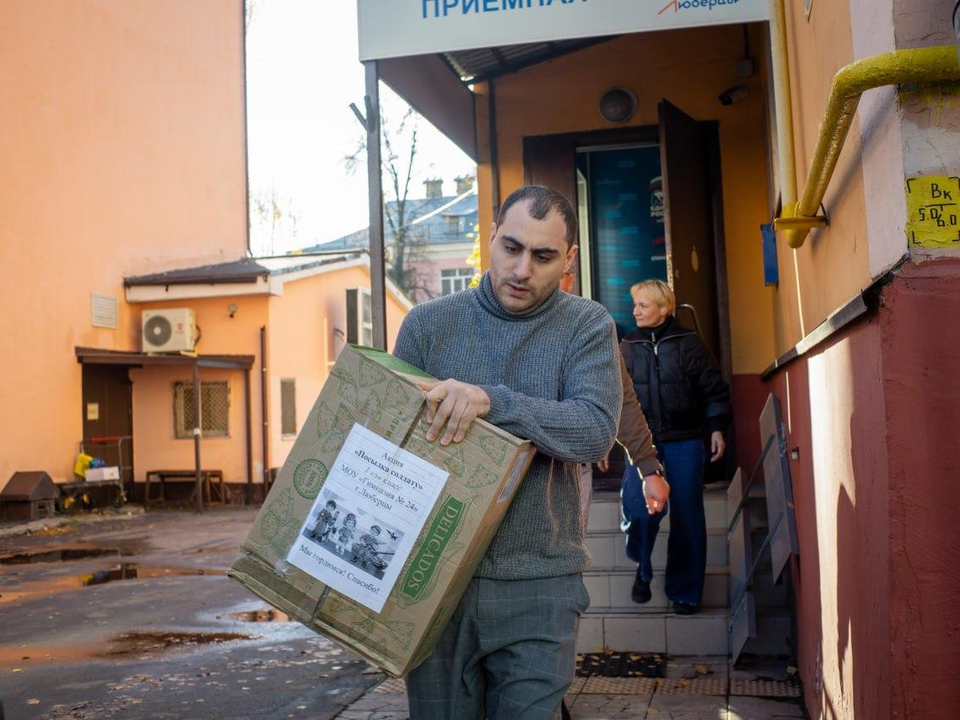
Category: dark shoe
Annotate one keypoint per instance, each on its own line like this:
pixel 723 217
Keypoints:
pixel 640 592
pixel 684 609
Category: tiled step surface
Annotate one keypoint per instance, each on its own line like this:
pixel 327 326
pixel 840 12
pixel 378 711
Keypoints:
pixel 611 591
pixel 702 634
pixel 615 622
pixel 609 550
pixel 605 512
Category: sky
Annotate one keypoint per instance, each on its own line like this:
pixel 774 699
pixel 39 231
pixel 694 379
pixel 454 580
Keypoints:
pixel 302 75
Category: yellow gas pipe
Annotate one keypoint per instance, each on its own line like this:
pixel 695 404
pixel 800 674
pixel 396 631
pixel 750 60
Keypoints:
pixel 922 65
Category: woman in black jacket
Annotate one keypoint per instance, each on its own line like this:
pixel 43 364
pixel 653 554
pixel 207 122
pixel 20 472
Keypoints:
pixel 684 399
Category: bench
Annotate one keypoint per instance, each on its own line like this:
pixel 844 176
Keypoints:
pixel 165 476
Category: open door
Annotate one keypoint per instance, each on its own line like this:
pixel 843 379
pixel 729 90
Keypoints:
pixel 688 220
pixel 550 160
pixel 107 414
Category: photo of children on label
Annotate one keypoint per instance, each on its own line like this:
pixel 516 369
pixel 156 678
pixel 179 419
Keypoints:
pixel 362 539
pixel 365 519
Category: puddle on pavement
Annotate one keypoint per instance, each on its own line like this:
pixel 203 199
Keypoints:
pixel 35 589
pixel 139 643
pixel 62 555
pixel 119 646
pixel 258 616
pixel 210 549
pixel 132 571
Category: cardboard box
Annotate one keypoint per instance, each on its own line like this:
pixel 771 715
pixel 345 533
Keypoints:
pixel 372 401
pixel 101 474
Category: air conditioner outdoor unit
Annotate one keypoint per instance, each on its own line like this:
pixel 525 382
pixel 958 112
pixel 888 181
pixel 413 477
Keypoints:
pixel 169 330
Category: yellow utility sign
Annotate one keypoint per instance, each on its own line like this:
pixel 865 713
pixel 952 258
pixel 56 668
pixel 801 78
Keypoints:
pixel 933 211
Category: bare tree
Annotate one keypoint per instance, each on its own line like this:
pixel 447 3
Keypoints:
pixel 405 244
pixel 271 218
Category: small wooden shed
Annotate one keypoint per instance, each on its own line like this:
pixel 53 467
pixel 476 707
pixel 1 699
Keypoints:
pixel 28 496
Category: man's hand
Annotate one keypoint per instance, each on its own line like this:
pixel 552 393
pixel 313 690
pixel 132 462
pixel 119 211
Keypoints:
pixel 453 404
pixel 656 491
pixel 604 464
pixel 717 445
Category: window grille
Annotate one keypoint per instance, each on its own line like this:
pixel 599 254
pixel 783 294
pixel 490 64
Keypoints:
pixel 288 407
pixel 455 280
pixel 214 409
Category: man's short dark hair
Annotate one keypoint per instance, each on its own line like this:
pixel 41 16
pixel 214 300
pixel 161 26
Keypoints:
pixel 542 202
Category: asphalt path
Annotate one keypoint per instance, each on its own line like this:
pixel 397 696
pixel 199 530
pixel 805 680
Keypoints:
pixel 135 617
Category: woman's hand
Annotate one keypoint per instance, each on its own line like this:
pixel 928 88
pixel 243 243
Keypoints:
pixel 717 445
pixel 604 464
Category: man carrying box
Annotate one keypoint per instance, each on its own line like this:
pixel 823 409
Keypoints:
pixel 542 365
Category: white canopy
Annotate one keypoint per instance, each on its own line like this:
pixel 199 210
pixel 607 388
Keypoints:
pixel 400 28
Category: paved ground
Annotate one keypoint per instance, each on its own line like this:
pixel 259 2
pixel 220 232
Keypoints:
pixel 150 626
pixel 694 688
pixel 133 616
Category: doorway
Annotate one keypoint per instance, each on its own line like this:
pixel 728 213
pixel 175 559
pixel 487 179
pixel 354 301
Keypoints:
pixel 650 206
pixel 107 409
pixel 620 200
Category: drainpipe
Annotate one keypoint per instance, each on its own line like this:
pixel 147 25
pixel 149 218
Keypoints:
pixel 784 109
pixel 265 412
pixel 921 65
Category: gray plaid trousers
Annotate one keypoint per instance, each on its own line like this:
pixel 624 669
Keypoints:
pixel 509 651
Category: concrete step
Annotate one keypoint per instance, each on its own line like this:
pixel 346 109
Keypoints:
pixel 609 550
pixel 611 590
pixel 702 634
pixel 605 511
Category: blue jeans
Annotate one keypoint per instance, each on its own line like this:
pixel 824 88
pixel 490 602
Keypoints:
pixel 684 462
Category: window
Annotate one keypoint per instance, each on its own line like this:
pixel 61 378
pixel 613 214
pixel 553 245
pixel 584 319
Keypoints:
pixel 288 406
pixel 359 317
pixel 214 409
pixel 452 224
pixel 455 280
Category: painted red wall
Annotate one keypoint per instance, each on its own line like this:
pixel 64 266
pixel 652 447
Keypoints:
pixel 920 333
pixel 834 415
pixel 872 415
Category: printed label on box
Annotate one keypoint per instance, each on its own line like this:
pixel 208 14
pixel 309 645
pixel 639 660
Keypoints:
pixel 367 516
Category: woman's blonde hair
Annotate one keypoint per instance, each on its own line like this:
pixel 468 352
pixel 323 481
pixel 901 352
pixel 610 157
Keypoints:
pixel 659 292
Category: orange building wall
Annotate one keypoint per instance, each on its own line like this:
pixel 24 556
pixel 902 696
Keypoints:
pixel 305 339
pixel 122 148
pixel 833 265
pixel 302 344
pixel 156 448
pixel 689 68
pixel 154 445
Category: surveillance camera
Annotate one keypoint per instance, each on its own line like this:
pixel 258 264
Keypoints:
pixel 731 95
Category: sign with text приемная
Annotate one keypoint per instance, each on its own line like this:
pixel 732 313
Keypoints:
pixel 400 28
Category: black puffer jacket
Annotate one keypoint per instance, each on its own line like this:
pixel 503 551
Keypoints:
pixel 677 381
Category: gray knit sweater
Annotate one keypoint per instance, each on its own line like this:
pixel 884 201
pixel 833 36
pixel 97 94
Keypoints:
pixel 553 377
